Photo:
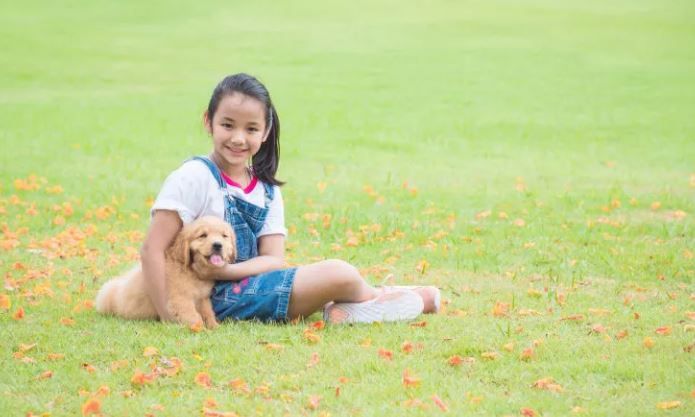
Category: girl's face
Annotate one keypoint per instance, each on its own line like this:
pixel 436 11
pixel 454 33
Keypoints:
pixel 238 130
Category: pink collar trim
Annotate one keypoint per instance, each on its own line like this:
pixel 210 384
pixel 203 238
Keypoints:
pixel 233 183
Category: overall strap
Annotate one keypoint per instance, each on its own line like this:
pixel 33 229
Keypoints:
pixel 269 193
pixel 213 169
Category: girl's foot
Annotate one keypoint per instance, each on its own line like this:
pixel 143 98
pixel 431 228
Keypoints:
pixel 431 296
pixel 392 305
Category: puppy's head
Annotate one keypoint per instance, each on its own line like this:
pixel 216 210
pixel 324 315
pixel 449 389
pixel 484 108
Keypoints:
pixel 208 242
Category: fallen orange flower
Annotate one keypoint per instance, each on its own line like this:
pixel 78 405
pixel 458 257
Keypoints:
pixel 526 354
pixel 203 379
pixel 318 325
pixel 139 378
pixel 314 360
pixel 385 354
pixel 438 401
pixel 528 412
pixel 547 384
pixel 664 330
pixel 19 314
pixel 45 375
pixel 92 406
pixel 409 380
pixel 314 402
pixel 311 337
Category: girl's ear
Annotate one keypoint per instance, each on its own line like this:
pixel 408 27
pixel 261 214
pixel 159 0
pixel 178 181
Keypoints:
pixel 207 123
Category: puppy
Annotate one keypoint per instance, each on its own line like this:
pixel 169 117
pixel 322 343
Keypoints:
pixel 201 247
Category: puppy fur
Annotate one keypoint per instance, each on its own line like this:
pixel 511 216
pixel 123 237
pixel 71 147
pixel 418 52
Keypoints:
pixel 188 296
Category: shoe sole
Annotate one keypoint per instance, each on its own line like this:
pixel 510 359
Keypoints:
pixel 405 306
pixel 437 295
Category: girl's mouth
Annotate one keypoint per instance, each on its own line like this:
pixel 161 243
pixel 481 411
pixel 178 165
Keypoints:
pixel 236 151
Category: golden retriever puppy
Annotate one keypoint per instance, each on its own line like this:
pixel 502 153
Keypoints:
pixel 202 246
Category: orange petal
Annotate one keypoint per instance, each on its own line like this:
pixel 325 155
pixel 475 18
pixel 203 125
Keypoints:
pixel 438 401
pixel 19 314
pixel 385 354
pixel 92 406
pixel 410 380
pixel 203 379
pixel 314 402
pixel 664 330
pixel 528 412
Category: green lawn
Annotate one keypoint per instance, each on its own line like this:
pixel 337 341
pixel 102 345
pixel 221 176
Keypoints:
pixel 534 159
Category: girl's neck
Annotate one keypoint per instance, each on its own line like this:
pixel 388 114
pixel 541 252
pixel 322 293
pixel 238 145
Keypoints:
pixel 239 174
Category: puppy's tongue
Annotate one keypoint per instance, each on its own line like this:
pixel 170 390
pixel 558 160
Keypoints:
pixel 216 260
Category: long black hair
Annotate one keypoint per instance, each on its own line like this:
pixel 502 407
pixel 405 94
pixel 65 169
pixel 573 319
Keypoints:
pixel 265 162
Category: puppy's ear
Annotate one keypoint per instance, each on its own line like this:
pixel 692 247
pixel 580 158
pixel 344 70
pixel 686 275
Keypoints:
pixel 180 250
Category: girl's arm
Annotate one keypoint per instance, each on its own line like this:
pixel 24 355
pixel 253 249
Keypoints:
pixel 164 226
pixel 271 256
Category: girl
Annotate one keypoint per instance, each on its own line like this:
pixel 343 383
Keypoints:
pixel 237 182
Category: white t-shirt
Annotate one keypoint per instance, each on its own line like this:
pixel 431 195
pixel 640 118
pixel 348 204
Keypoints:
pixel 192 192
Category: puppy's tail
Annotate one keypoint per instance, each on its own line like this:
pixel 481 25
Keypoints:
pixel 105 302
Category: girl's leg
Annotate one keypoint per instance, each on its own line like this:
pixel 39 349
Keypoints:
pixel 317 284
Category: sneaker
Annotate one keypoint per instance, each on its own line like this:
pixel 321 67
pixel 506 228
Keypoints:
pixel 393 305
pixel 437 295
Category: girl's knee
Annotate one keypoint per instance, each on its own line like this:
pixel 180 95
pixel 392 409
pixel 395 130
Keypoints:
pixel 340 273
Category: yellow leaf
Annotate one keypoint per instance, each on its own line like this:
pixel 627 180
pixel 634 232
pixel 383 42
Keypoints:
pixel 150 351
pixel 5 302
pixel 422 266
pixel 500 309
pixel 667 405
pixel 490 356
pixel 648 342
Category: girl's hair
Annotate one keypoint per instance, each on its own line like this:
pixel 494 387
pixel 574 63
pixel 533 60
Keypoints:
pixel 265 162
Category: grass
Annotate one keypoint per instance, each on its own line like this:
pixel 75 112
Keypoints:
pixel 533 159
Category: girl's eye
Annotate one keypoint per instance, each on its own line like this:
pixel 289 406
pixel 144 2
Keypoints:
pixel 253 130
pixel 227 125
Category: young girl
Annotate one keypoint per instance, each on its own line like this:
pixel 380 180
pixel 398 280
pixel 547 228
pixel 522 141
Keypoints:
pixel 237 182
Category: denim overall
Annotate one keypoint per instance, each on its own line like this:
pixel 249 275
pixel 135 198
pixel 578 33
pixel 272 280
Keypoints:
pixel 265 296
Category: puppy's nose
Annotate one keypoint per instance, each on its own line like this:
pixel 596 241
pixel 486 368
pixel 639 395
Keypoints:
pixel 217 246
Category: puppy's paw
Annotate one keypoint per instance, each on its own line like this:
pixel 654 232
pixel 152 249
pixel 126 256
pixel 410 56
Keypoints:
pixel 211 324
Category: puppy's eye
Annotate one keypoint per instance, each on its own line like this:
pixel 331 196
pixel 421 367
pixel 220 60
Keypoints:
pixel 225 235
pixel 203 236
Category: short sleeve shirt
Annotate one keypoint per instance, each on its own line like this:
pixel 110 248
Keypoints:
pixel 193 192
